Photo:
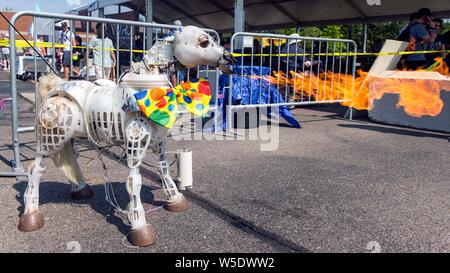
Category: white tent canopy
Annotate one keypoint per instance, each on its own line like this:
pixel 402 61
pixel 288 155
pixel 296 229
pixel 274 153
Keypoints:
pixel 266 14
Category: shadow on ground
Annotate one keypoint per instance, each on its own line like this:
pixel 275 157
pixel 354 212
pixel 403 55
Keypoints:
pixel 57 192
pixel 397 131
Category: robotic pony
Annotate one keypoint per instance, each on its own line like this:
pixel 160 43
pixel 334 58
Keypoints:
pixel 137 113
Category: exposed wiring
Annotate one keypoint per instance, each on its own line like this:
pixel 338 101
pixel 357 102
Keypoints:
pixel 110 195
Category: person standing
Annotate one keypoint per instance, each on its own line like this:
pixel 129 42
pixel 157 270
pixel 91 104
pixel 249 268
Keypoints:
pixel 103 52
pixel 77 55
pixel 439 43
pixel 297 61
pixel 41 49
pixel 67 38
pixel 5 55
pixel 420 40
pixel 404 32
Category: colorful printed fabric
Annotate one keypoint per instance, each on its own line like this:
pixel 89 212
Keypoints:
pixel 160 104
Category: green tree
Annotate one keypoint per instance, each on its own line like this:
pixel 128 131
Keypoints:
pixel 285 31
pixel 376 32
pixel 333 31
pixel 383 31
pixel 446 27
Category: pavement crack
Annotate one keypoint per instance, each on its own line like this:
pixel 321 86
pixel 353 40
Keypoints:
pixel 245 225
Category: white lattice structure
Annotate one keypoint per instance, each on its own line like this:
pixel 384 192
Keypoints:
pixel 107 114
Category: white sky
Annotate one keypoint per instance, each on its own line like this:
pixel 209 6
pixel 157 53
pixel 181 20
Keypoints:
pixel 59 6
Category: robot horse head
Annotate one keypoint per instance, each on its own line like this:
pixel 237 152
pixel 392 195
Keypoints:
pixel 193 47
pixel 103 113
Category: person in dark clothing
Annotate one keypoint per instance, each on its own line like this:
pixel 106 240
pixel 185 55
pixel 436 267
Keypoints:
pixel 447 40
pixel 404 33
pixel 439 41
pixel 419 40
pixel 77 55
pixel 377 45
pixel 270 52
pixel 447 45
pixel 226 43
pixel 255 50
pixel 297 61
pixel 139 45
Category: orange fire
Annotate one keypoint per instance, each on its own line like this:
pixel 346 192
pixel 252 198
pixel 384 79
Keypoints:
pixel 418 97
pixel 442 67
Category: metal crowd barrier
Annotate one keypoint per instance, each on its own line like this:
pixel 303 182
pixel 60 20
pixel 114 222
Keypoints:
pixel 304 70
pixel 114 26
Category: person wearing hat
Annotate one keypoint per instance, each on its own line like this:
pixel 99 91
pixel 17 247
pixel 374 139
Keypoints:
pixel 294 63
pixel 420 39
pixel 67 38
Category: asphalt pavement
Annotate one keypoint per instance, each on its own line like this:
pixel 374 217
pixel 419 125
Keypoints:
pixel 334 186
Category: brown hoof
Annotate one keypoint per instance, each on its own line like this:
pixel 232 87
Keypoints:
pixel 85 193
pixel 31 222
pixel 178 206
pixel 143 237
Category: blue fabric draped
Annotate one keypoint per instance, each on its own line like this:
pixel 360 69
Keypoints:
pixel 250 81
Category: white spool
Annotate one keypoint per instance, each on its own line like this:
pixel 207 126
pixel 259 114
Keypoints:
pixel 184 176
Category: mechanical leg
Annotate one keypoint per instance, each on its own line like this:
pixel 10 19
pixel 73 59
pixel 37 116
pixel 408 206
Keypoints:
pixel 138 138
pixel 31 219
pixel 176 201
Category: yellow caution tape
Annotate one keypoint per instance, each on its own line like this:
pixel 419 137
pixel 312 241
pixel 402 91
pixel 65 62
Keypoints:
pixel 23 43
pixel 341 54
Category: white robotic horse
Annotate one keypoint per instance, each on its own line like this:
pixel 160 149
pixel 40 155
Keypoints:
pixel 106 113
